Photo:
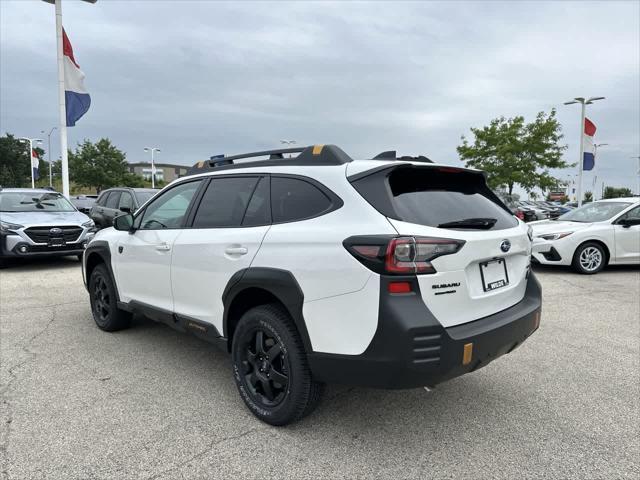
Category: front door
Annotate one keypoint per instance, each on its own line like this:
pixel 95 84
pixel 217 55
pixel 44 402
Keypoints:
pixel 228 228
pixel 143 258
pixel 628 238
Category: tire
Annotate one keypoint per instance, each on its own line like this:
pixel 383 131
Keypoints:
pixel 589 258
pixel 104 302
pixel 267 348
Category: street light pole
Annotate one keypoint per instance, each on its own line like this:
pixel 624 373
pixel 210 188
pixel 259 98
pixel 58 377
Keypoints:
pixel 153 168
pixel 30 141
pixel 595 158
pixel 49 155
pixel 583 103
pixel 638 172
pixel 287 143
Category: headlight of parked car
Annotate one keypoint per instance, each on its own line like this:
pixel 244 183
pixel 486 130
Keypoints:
pixel 555 236
pixel 6 227
pixel 89 224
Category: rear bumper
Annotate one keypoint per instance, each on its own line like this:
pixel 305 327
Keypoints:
pixel 411 349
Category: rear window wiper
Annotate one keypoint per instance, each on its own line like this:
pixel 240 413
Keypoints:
pixel 479 223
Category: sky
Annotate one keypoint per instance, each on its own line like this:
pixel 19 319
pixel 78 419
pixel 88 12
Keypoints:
pixel 199 78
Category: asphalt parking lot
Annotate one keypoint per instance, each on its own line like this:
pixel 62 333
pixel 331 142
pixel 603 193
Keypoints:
pixel 150 402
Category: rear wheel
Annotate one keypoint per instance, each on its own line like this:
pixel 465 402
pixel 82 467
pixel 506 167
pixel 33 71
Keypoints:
pixel 270 367
pixel 104 303
pixel 589 258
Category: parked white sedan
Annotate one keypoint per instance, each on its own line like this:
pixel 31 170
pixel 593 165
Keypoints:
pixel 590 237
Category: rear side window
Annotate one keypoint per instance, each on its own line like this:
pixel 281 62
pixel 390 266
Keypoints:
pixel 293 199
pixel 436 198
pixel 113 200
pixel 259 209
pixel 225 202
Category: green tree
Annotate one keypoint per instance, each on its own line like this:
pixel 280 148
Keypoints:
pixel 588 197
pixel 616 192
pixel 15 166
pixel 101 165
pixel 513 152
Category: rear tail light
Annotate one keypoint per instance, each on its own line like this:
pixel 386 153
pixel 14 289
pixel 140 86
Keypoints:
pixel 400 255
pixel 520 214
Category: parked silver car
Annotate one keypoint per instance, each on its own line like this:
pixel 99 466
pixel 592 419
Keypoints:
pixel 36 222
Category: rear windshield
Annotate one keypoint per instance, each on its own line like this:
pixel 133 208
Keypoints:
pixel 440 198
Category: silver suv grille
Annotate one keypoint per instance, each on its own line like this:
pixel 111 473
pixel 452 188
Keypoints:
pixel 43 234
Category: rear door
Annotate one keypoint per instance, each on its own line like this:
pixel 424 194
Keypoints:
pixel 225 234
pixel 488 274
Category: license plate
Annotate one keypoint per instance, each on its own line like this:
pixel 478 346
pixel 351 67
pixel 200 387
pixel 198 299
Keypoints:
pixel 494 274
pixel 56 242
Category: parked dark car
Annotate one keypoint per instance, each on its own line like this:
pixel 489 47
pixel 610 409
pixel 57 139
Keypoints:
pixel 117 201
pixel 84 202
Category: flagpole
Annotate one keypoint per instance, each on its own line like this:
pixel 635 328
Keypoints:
pixel 61 102
pixel 583 103
pixel 581 161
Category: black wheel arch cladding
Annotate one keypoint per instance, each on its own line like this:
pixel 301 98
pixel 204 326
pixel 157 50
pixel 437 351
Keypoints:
pixel 280 284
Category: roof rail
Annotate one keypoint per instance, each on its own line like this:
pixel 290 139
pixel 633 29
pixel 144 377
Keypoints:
pixel 312 155
pixel 392 155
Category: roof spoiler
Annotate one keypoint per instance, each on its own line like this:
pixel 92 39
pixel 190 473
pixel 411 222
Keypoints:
pixel 393 155
pixel 311 155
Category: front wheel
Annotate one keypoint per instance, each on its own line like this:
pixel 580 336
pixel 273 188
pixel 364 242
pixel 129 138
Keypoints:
pixel 270 367
pixel 589 258
pixel 104 303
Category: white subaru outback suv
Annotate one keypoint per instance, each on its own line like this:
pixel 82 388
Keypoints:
pixel 391 273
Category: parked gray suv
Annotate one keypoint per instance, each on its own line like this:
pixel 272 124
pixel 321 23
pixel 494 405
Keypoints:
pixel 35 222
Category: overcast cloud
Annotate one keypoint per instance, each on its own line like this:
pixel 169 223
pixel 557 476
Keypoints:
pixel 198 78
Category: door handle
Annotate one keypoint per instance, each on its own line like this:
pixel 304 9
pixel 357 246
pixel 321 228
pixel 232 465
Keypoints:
pixel 236 250
pixel 163 247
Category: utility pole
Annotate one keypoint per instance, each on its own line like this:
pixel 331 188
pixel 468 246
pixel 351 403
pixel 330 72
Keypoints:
pixel 583 103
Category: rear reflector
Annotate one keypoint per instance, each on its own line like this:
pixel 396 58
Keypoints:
pixel 467 354
pixel 399 287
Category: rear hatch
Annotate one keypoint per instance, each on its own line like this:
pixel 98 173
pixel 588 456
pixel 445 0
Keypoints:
pixel 487 274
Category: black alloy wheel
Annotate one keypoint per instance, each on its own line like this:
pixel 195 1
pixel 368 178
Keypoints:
pixel 270 366
pixel 104 302
pixel 265 367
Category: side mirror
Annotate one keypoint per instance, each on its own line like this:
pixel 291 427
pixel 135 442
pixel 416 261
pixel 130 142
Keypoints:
pixel 124 223
pixel 125 209
pixel 629 222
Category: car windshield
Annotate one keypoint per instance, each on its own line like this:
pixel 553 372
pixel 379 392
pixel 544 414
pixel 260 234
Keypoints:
pixel 34 202
pixel 594 212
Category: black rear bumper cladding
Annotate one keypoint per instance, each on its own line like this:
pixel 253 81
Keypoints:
pixel 411 349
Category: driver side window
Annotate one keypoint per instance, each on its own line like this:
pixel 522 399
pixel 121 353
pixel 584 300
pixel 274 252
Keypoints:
pixel 169 209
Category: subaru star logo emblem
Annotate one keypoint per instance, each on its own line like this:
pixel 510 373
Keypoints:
pixel 505 246
pixel 55 231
